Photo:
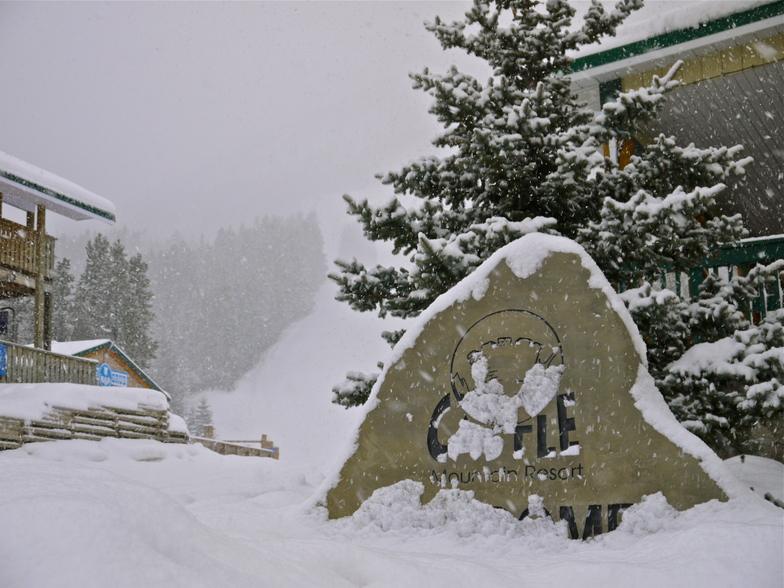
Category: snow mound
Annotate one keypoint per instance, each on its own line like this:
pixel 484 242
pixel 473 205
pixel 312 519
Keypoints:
pixel 452 512
pixel 34 401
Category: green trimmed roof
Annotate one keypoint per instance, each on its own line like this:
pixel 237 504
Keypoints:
pixel 107 344
pixel 680 36
pixel 26 186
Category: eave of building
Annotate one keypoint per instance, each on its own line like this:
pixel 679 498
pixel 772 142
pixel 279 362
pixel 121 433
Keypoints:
pixel 744 28
pixel 26 186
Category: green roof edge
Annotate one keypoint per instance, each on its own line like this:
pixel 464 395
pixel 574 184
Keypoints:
pixel 139 371
pixel 92 349
pixel 57 196
pixel 705 29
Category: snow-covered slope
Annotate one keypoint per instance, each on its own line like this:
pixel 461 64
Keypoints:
pixel 288 396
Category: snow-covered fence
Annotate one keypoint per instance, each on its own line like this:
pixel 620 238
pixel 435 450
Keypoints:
pixel 30 365
pixel 266 449
pixel 74 414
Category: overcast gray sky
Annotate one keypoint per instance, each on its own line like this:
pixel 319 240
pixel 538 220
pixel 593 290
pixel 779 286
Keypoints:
pixel 190 116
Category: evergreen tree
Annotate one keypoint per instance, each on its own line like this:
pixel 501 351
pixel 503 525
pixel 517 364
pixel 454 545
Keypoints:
pixel 200 417
pixel 63 305
pixel 221 304
pixel 113 300
pixel 94 292
pixel 136 315
pixel 524 155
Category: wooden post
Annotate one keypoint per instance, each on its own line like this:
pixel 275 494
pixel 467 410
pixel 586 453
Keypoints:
pixel 40 285
pixel 48 321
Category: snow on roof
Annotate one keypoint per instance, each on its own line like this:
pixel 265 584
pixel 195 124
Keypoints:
pixel 74 347
pixel 664 30
pixel 658 17
pixel 26 186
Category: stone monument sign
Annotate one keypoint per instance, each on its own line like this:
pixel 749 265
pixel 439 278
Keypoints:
pixel 527 379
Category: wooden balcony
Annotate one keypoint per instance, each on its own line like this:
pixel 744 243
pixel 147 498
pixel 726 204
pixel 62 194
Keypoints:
pixel 18 258
pixel 28 365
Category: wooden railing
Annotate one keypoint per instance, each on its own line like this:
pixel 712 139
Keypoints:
pixel 27 365
pixel 737 259
pixel 17 248
pixel 267 449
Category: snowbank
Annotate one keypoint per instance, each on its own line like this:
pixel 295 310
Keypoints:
pixel 33 401
pixel 139 513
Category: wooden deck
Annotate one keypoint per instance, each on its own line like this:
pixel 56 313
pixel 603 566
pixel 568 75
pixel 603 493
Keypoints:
pixel 18 259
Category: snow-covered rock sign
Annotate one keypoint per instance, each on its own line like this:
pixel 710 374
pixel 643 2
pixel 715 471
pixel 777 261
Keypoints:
pixel 526 383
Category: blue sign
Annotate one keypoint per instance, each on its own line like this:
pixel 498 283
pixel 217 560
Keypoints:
pixel 109 377
pixel 3 359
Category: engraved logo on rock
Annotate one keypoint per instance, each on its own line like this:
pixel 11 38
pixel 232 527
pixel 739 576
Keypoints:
pixel 504 371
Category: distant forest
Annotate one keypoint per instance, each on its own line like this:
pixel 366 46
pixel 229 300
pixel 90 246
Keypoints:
pixel 219 303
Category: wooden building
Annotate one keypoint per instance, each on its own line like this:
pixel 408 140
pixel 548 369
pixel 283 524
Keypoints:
pixel 730 93
pixel 113 367
pixel 27 262
pixel 26 251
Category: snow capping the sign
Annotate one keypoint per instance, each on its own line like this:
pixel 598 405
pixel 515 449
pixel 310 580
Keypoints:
pixel 525 257
pixel 656 413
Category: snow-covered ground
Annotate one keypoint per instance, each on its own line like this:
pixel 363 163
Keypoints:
pixel 138 513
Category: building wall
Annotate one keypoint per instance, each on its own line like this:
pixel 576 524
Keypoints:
pixel 107 356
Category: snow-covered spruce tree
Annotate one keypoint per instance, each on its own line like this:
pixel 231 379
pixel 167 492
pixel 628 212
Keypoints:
pixel 63 306
pixel 199 417
pixel 523 155
pixel 113 300
pixel 727 387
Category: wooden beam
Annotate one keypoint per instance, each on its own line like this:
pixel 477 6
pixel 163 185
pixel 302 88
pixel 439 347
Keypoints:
pixel 39 322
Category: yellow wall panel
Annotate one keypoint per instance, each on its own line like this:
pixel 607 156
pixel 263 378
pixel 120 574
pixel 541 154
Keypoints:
pixel 732 60
pixel 715 65
pixel 691 71
pixel 751 57
pixel 712 66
